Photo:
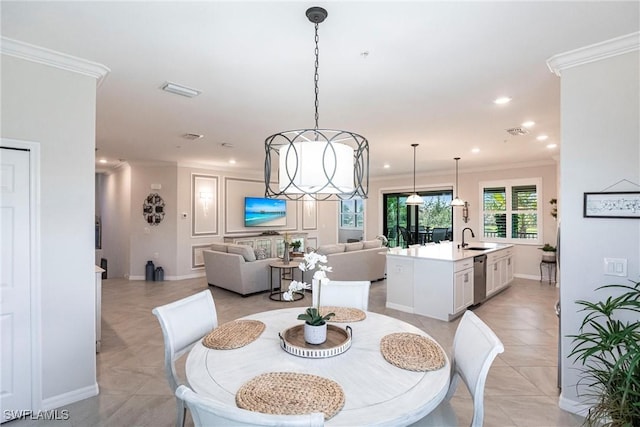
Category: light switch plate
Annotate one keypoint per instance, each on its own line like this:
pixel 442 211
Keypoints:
pixel 615 267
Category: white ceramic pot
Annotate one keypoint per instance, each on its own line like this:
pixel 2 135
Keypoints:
pixel 315 334
pixel 548 256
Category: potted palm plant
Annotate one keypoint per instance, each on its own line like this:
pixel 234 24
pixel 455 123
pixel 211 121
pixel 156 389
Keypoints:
pixel 608 348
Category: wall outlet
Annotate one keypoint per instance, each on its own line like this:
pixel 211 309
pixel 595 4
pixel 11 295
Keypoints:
pixel 615 267
pixel 156 255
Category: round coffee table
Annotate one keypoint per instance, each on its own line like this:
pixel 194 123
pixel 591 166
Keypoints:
pixel 285 271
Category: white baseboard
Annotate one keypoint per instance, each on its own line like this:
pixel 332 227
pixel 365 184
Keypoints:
pixel 70 397
pixel 186 276
pixel 528 276
pixel 400 307
pixel 573 406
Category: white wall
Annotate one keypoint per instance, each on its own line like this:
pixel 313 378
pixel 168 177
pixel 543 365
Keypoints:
pixel 56 109
pixel 600 146
pixel 115 210
pixel 527 257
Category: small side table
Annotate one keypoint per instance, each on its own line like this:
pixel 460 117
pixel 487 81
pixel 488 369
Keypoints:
pixel 283 269
pixel 551 268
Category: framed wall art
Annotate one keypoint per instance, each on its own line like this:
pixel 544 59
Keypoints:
pixel 612 204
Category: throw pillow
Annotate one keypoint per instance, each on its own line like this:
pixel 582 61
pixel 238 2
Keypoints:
pixel 245 250
pixel 370 244
pixel 355 246
pixel 331 249
pixel 260 253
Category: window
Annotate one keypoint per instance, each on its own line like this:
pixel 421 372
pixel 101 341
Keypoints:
pixel 511 210
pixel 352 214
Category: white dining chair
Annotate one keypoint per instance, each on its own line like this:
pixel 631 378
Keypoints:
pixel 343 293
pixel 184 322
pixel 475 346
pixel 208 412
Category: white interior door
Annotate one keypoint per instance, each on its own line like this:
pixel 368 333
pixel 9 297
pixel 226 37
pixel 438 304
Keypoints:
pixel 15 284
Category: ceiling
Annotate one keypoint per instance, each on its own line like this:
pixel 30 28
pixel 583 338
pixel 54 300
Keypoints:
pixel 396 72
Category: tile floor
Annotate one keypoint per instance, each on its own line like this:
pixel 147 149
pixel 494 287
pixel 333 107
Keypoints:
pixel 520 390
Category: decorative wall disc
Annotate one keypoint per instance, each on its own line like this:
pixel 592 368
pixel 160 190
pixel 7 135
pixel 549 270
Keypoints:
pixel 153 209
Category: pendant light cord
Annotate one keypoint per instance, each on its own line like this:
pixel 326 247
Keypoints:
pixel 316 76
pixel 414 169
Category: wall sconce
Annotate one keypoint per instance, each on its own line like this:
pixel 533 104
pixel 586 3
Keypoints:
pixel 465 212
pixel 205 198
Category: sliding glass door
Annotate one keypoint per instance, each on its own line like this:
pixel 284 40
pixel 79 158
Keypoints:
pixel 405 225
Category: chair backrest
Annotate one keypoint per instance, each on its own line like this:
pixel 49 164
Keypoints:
pixel 207 412
pixel 439 234
pixel 475 346
pixel 183 323
pixel 342 293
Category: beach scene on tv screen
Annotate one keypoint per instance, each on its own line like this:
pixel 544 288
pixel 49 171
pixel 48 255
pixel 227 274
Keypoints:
pixel 264 212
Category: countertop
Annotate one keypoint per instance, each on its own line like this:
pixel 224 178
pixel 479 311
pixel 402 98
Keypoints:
pixel 447 251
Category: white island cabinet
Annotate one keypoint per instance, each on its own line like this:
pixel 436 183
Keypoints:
pixel 438 280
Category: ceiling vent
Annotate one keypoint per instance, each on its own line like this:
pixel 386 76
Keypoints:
pixel 180 90
pixel 519 131
pixel 192 136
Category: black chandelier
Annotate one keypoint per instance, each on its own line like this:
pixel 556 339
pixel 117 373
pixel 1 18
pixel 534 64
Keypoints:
pixel 321 164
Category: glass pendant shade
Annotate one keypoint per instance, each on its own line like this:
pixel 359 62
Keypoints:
pixel 457 202
pixel 414 199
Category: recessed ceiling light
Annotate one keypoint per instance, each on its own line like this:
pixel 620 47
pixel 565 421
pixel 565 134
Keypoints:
pixel 226 145
pixel 102 160
pixel 233 162
pixel 552 145
pixel 475 150
pixel 386 166
pixel 502 100
pixel 180 90
pixel 528 124
pixel 542 138
pixel 192 136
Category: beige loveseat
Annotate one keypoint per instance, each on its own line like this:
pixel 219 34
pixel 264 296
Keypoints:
pixel 235 268
pixel 356 261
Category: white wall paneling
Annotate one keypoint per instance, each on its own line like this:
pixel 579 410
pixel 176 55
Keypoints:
pixel 309 214
pixel 204 205
pixel 197 260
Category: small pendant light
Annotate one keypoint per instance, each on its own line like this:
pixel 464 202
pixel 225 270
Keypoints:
pixel 414 199
pixel 457 201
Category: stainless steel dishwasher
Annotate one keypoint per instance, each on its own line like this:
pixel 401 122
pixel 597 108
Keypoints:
pixel 479 279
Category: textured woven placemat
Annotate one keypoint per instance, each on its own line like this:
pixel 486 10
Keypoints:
pixel 290 393
pixel 343 314
pixel 235 334
pixel 412 352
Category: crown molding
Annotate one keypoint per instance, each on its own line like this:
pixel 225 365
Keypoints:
pixel 41 55
pixel 595 52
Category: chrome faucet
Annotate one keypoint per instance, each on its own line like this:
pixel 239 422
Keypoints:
pixel 463 245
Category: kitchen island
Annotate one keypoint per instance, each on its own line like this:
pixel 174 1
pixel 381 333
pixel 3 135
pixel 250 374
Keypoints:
pixel 437 280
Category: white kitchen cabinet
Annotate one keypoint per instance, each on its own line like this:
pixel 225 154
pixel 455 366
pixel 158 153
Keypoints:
pixel 462 290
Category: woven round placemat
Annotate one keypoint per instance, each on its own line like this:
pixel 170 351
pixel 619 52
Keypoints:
pixel 343 314
pixel 235 334
pixel 290 393
pixel 412 352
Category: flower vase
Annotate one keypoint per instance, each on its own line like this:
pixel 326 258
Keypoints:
pixel 285 256
pixel 315 334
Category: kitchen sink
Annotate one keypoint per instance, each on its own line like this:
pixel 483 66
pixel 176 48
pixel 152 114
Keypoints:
pixel 475 248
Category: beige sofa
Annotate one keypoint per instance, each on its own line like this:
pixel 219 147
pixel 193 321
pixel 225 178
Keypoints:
pixel 235 268
pixel 356 261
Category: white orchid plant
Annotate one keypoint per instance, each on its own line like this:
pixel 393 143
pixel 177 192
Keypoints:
pixel 312 261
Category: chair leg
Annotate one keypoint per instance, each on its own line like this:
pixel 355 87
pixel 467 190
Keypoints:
pixel 180 413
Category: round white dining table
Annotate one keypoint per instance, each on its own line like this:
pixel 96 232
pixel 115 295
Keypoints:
pixel 376 392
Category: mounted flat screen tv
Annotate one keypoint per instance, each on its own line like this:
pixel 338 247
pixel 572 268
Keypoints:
pixel 263 212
